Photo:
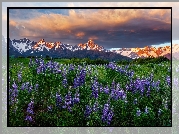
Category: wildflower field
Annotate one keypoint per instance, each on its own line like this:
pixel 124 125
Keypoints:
pixel 51 93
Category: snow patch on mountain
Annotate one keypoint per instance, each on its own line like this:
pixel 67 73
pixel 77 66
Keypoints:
pixel 21 47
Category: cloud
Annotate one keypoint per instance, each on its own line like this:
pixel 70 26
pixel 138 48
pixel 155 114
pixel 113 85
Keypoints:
pixel 80 35
pixel 96 30
pixel 100 25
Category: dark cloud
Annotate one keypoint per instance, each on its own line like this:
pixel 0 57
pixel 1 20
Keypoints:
pixel 109 28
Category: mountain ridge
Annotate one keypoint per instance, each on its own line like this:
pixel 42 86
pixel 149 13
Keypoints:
pixel 24 47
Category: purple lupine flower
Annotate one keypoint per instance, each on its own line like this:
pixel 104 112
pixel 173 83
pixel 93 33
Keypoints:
pixel 76 99
pixel 138 112
pixel 68 101
pixel 147 83
pixel 30 107
pixel 71 67
pixel 64 82
pixel 19 76
pixel 50 66
pixel 107 114
pixel 23 86
pixel 95 107
pixel 148 92
pixel 14 85
pixel 121 94
pixel 26 85
pixel 153 84
pixel 158 85
pixel 101 88
pixel 64 72
pixel 38 70
pixel 142 91
pixel 30 111
pixel 131 74
pixel 109 117
pixel 82 76
pixel 76 82
pixel 111 65
pixel 88 111
pixel 30 89
pixel 168 80
pixel 113 92
pixel 80 79
pixel 14 91
pixel 41 68
pixel 105 109
pixel 106 90
pixel 13 94
pixel 28 118
pixel 127 87
pixel 58 71
pixel 58 100
pixel 95 89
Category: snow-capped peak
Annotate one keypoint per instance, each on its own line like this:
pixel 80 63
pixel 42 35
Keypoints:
pixel 90 45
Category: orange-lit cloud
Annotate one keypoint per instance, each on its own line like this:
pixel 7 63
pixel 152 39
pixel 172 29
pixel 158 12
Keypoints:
pixel 13 23
pixel 103 24
pixel 155 29
pixel 93 38
pixel 80 34
pixel 94 20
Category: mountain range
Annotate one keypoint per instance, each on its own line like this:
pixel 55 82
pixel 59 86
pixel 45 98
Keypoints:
pixel 25 47
pixel 145 52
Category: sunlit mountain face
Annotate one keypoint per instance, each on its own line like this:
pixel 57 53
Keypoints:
pixel 90 45
pixel 25 45
pixel 48 45
pixel 25 48
pixel 153 52
pixel 145 52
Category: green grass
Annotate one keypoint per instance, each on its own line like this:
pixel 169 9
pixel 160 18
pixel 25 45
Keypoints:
pixel 124 110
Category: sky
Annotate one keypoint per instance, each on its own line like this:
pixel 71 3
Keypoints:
pixel 111 28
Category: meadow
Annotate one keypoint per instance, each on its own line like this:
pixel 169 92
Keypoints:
pixel 64 92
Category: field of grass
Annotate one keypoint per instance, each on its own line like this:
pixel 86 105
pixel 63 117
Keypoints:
pixel 53 93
